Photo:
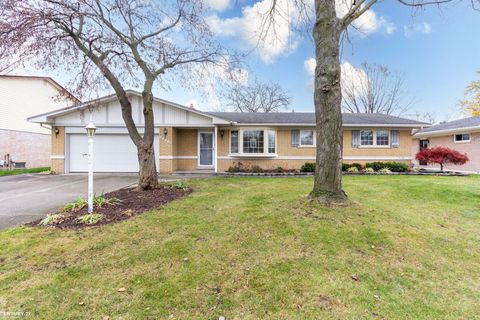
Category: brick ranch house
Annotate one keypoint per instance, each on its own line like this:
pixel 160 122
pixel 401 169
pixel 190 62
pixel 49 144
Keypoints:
pixel 462 135
pixel 187 139
pixel 20 97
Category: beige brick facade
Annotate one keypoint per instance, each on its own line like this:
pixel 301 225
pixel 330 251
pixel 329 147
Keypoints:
pixel 58 150
pixel 178 150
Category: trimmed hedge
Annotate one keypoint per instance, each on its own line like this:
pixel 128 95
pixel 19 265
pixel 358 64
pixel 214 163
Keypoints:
pixel 346 166
pixel 392 166
pixel 308 167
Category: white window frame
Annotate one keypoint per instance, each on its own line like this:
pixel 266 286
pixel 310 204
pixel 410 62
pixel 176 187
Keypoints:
pixel 375 145
pixel 462 141
pixel 230 141
pixel 265 153
pixel 307 145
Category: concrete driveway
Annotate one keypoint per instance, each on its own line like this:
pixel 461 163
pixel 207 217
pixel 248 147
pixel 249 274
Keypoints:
pixel 25 198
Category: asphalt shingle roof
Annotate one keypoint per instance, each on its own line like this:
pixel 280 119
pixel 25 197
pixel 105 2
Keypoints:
pixel 455 124
pixel 309 117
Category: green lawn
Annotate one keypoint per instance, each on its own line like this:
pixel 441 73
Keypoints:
pixel 22 171
pixel 252 248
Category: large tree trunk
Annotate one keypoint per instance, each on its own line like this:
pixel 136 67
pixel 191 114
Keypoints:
pixel 327 188
pixel 148 178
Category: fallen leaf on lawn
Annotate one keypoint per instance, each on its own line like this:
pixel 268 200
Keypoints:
pixel 122 290
pixel 106 318
pixel 81 303
pixel 354 277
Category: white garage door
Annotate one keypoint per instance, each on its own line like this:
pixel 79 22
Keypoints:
pixel 112 153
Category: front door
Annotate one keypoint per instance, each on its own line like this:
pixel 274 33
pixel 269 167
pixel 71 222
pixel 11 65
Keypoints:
pixel 205 149
pixel 423 145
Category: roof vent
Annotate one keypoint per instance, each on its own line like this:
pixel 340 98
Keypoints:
pixel 191 106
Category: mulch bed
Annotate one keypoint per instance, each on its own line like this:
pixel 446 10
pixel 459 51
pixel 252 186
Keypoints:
pixel 133 202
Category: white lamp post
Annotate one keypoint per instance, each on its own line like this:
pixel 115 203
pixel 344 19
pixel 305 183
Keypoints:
pixel 90 133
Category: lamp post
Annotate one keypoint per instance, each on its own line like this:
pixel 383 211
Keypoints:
pixel 90 133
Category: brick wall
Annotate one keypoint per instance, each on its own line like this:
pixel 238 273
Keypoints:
pixel 472 149
pixel 32 148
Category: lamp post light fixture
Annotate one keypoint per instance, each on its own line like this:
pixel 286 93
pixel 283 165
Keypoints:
pixel 90 128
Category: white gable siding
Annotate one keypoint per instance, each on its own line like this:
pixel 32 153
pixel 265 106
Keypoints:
pixel 21 98
pixel 110 114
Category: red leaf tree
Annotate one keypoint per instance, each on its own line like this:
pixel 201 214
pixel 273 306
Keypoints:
pixel 442 156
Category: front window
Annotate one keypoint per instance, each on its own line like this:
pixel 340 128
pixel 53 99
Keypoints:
pixel 253 141
pixel 382 138
pixel 366 138
pixel 271 141
pixel 373 138
pixel 465 137
pixel 306 137
pixel 234 142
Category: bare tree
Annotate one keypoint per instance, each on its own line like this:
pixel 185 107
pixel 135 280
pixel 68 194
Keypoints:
pixel 257 97
pixel 374 89
pixel 116 43
pixel 327 30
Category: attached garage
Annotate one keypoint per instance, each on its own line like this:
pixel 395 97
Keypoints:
pixel 113 153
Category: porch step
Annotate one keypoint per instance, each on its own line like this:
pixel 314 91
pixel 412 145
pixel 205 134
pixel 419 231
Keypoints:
pixel 193 173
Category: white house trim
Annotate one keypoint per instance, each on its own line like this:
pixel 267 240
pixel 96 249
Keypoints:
pixel 177 157
pixel 379 158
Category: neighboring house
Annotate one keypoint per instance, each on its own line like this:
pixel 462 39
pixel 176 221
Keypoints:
pixel 462 135
pixel 20 97
pixel 187 139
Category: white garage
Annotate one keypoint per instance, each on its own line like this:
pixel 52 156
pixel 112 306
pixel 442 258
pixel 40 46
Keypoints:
pixel 113 153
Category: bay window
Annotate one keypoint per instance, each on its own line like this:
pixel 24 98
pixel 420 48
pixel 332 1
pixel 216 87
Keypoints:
pixel 255 141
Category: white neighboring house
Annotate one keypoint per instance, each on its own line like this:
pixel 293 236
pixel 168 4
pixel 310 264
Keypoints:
pixel 21 96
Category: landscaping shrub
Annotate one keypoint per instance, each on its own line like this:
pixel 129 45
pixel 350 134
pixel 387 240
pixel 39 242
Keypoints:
pixel 345 166
pixel 385 170
pixel 308 167
pixel 279 170
pixel 392 166
pixel 256 169
pixel 233 169
pixel 367 169
pixel 91 218
pixel 397 166
pixel 51 219
pixel 180 185
pixel 352 169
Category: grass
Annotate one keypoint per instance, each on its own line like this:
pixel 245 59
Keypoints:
pixel 252 248
pixel 22 171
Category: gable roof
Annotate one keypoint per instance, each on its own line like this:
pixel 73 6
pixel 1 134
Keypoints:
pixel 308 118
pixel 47 117
pixel 251 118
pixel 471 123
pixel 54 83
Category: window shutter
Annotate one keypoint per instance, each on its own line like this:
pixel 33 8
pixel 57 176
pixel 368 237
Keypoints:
pixel 395 138
pixel 355 138
pixel 295 137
